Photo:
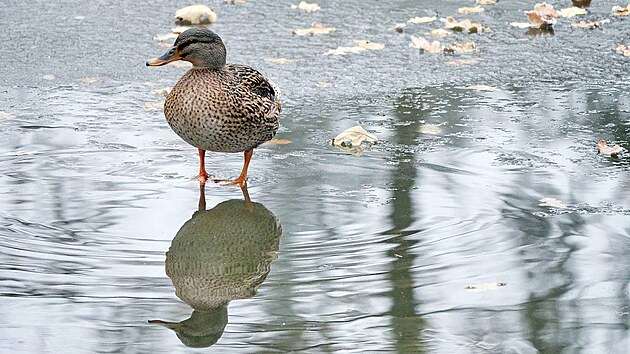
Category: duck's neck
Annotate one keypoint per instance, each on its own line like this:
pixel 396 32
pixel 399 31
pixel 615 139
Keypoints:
pixel 213 60
pixel 205 67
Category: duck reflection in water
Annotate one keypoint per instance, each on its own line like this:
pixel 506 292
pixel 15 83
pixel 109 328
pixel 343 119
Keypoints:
pixel 217 256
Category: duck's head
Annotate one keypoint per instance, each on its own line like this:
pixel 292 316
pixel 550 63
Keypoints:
pixel 200 46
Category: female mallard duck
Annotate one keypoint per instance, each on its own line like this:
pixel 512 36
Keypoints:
pixel 217 106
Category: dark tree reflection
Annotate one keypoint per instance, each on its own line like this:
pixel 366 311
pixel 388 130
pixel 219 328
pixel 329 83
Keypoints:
pixel 407 324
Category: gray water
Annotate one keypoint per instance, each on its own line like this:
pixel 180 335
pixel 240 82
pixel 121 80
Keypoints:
pixel 340 253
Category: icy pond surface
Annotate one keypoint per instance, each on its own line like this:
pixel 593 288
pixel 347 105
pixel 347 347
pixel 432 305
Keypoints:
pixel 432 241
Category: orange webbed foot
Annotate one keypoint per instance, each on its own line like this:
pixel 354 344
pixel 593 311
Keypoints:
pixel 240 181
pixel 202 178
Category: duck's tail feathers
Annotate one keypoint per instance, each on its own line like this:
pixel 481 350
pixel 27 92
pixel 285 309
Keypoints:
pixel 276 90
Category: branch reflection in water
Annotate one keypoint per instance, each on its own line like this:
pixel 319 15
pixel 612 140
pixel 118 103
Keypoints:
pixel 217 256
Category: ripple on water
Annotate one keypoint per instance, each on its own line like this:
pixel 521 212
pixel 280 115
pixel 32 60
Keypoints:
pixel 52 261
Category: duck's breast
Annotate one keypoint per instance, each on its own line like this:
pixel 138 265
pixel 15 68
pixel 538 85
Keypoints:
pixel 206 110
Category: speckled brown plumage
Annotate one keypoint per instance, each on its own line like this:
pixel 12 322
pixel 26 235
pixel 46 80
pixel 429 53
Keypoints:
pixel 228 110
pixel 217 106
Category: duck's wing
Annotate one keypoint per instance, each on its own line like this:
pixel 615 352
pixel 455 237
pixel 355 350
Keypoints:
pixel 251 80
pixel 254 100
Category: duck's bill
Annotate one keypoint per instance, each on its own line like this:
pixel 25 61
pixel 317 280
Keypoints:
pixel 170 56
pixel 171 325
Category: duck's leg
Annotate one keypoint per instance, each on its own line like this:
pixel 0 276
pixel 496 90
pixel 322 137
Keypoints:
pixel 202 197
pixel 203 175
pixel 240 181
pixel 249 206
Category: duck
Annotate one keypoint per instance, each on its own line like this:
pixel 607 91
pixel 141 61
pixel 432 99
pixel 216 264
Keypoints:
pixel 216 106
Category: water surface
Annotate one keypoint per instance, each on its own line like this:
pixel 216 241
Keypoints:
pixel 340 253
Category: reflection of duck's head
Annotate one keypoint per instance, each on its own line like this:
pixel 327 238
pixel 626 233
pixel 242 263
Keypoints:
pixel 219 255
pixel 202 329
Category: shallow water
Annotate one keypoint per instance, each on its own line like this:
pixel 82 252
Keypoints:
pixel 376 252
